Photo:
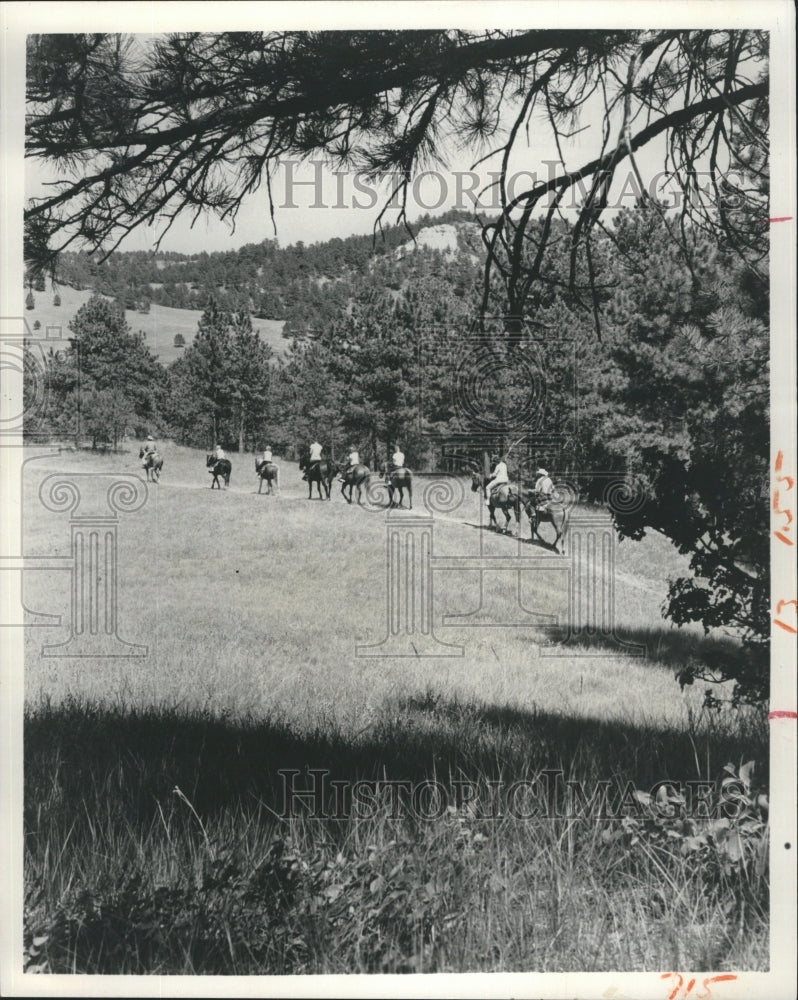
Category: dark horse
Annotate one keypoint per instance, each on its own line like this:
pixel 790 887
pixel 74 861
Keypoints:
pixel 321 473
pixel 153 463
pixel 505 499
pixel 266 471
pixel 398 479
pixel 219 467
pixel 541 508
pixel 354 477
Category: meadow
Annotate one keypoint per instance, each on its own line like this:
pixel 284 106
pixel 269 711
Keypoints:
pixel 159 325
pixel 159 835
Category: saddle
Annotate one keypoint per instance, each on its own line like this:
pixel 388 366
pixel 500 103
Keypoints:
pixel 498 496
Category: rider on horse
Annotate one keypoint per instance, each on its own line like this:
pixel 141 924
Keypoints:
pixel 147 449
pixel 352 460
pixel 314 459
pixel 218 452
pixel 544 490
pixel 397 460
pixel 499 477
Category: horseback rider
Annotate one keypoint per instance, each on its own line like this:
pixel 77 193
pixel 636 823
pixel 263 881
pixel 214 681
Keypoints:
pixel 352 460
pixel 218 452
pixel 147 449
pixel 544 489
pixel 260 467
pixel 499 477
pixel 314 458
pixel 397 459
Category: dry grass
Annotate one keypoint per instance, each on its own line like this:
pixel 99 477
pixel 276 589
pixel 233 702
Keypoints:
pixel 159 325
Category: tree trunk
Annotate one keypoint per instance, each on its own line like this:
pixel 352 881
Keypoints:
pixel 486 469
pixel 241 431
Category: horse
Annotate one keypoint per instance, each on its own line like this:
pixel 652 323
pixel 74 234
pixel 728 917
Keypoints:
pixel 321 473
pixel 267 471
pixel 153 463
pixel 219 467
pixel 354 477
pixel 557 518
pixel 398 479
pixel 504 498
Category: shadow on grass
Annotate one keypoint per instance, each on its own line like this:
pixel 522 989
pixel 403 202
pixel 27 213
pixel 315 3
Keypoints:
pixel 675 648
pixel 129 759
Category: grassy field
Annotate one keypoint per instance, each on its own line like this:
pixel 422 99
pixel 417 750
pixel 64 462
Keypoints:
pixel 159 325
pixel 157 833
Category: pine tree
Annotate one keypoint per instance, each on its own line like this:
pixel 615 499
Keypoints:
pixel 113 369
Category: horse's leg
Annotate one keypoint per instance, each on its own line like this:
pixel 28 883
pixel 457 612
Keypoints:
pixel 563 530
pixel 410 496
pixel 260 484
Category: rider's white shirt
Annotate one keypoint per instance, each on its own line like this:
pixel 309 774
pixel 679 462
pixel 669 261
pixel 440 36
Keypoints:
pixel 219 453
pixel 544 485
pixel 354 458
pixel 315 452
pixel 267 456
pixel 398 459
pixel 500 474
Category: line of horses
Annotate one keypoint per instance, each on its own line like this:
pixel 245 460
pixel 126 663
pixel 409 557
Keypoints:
pixel 323 473
pixel 508 498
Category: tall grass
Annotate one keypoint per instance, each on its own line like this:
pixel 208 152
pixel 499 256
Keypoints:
pixel 160 841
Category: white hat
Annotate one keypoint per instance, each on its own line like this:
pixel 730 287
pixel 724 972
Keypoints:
pixel 541 472
pixel 149 437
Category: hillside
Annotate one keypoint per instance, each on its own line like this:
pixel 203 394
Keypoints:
pixel 290 292
pixel 160 325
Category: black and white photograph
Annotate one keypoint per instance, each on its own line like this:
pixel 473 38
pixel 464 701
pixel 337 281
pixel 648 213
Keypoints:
pixel 398 445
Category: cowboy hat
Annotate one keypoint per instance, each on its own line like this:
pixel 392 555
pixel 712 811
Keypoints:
pixel 541 472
